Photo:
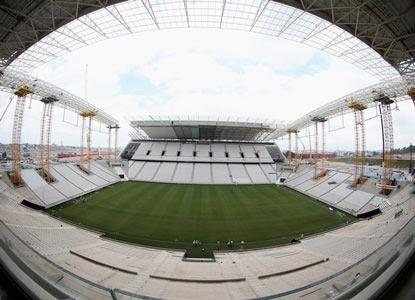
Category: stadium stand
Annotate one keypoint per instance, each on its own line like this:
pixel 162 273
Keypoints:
pixel 100 172
pixel 69 182
pixel 309 184
pixel 134 168
pixel 171 151
pixel 94 179
pixel 239 174
pixel 221 174
pixel 129 150
pixel 46 193
pixel 202 173
pixel 270 171
pixel 249 152
pixel 337 194
pixel 143 270
pixel 329 184
pixel 271 153
pixel 69 189
pixel 355 201
pixel 218 150
pixel 148 171
pixel 300 178
pixel 234 152
pixel 143 150
pixel 183 173
pixel 380 202
pixel 256 174
pixel 202 153
pixel 165 172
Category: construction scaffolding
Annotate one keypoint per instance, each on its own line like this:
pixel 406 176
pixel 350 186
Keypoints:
pixel 319 158
pixel 360 143
pixel 86 133
pixel 112 152
pixel 116 142
pixel 109 150
pixel 293 155
pixel 21 94
pixel 297 152
pixel 388 143
pixel 44 150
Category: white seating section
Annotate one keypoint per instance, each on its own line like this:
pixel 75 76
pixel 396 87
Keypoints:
pixel 46 193
pixel 184 173
pixel 334 189
pixel 201 173
pixel 66 187
pixel 202 163
pixel 301 178
pixel 337 194
pixel 329 184
pixel 198 152
pixel 148 171
pixel 355 201
pixel 262 153
pixel 69 182
pixel 239 174
pixel 166 171
pixel 256 174
pixel 221 173
pixel 380 202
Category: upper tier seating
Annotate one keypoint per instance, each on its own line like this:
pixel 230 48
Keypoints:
pixel 205 152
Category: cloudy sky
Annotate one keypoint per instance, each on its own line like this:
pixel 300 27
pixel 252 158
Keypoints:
pixel 208 73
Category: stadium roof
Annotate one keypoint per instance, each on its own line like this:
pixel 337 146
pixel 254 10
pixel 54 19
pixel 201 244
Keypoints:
pixel 394 90
pixel 11 80
pixel 377 36
pixel 204 130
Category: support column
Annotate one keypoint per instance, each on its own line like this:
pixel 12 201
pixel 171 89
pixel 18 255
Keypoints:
pixel 48 141
pixel 319 168
pixel 82 150
pixel 45 138
pixel 88 155
pixel 41 147
pixel 109 150
pixel 323 146
pixel 116 142
pixel 297 153
pixel 387 141
pixel 315 148
pixel 21 94
pixel 88 144
pixel 360 143
pixel 289 149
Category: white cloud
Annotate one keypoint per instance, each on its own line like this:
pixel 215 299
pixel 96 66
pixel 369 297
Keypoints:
pixel 206 72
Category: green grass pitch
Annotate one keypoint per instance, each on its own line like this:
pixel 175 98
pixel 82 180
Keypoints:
pixel 173 215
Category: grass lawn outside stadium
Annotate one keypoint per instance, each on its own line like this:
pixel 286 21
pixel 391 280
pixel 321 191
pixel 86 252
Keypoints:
pixel 173 215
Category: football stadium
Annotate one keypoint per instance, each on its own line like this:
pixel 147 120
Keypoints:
pixel 207 208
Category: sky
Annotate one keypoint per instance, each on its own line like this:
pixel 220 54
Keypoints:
pixel 205 72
